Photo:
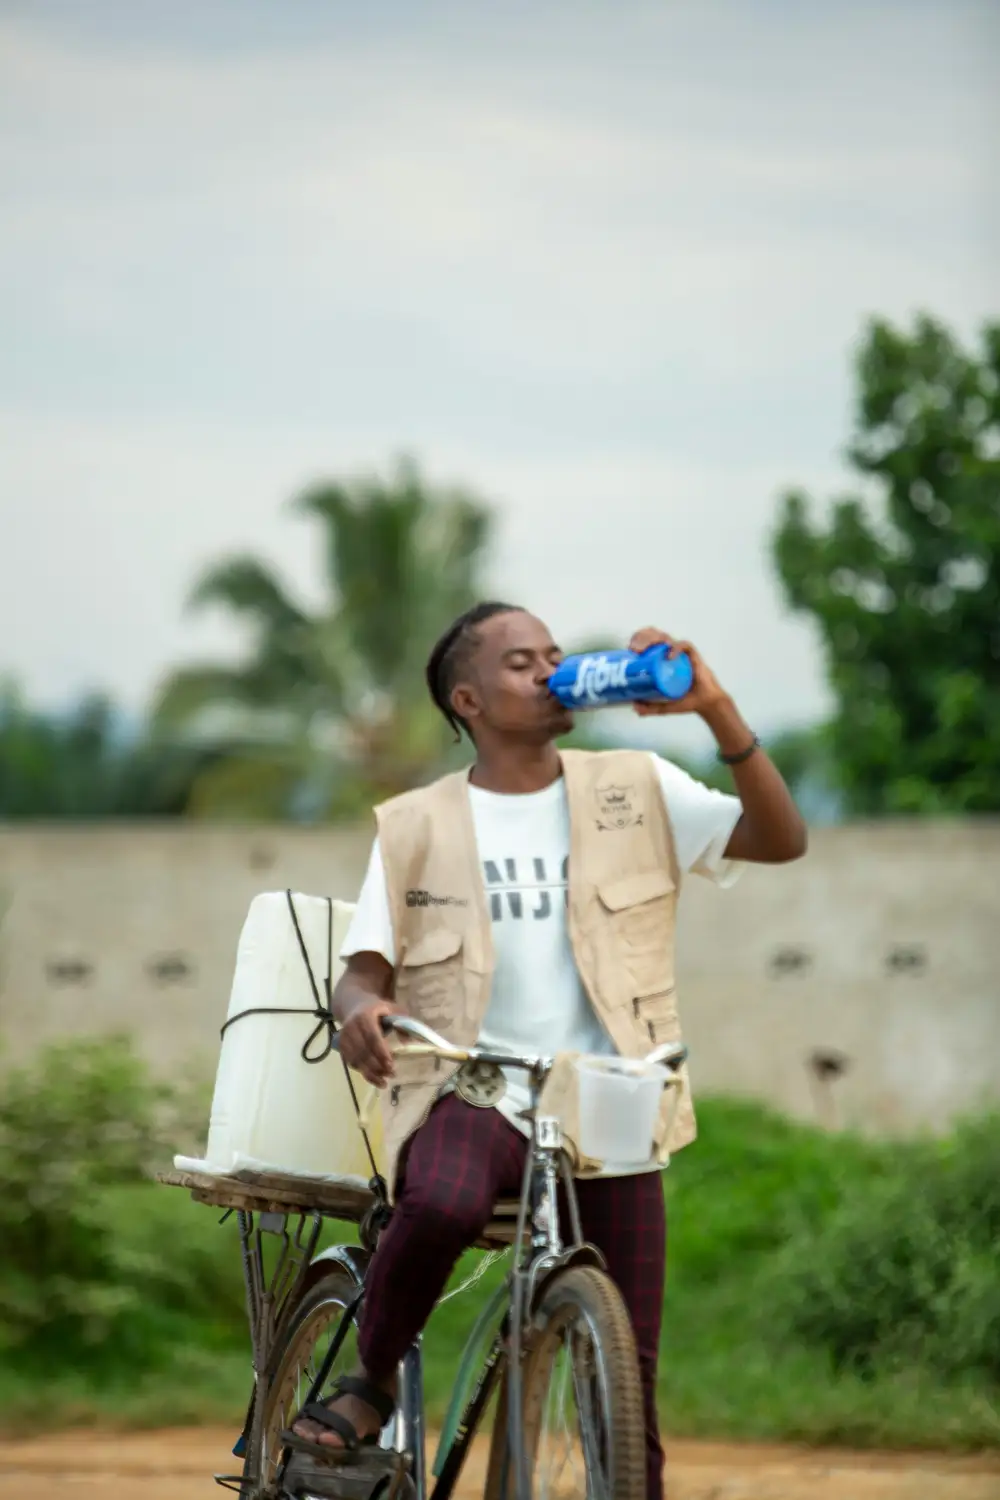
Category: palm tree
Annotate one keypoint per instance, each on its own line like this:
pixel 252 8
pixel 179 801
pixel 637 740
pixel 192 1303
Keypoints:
pixel 330 708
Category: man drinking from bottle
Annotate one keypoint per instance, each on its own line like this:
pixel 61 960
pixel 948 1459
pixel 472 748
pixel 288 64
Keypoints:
pixel 528 904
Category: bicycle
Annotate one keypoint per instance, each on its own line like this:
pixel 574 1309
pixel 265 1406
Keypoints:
pixel 557 1323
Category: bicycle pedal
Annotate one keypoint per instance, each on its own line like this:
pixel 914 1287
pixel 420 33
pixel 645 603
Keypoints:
pixel 378 1473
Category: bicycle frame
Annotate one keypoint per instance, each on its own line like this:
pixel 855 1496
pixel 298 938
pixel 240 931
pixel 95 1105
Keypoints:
pixel 537 1255
pixel 539 1252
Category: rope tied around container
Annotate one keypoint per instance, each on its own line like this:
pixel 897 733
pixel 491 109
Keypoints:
pixel 326 1026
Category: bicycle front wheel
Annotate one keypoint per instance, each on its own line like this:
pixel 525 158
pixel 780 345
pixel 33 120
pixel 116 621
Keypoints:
pixel 582 1398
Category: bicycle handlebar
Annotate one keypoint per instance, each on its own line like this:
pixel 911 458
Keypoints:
pixel 429 1043
pixel 434 1045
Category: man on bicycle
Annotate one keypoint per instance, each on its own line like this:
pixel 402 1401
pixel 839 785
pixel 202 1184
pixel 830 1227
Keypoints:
pixel 528 906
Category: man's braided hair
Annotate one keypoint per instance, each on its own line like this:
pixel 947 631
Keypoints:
pixel 452 654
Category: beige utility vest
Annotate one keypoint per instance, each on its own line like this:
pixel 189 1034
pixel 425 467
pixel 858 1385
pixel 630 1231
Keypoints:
pixel 623 889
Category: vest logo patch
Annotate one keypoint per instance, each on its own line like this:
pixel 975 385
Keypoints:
pixel 617 808
pixel 426 898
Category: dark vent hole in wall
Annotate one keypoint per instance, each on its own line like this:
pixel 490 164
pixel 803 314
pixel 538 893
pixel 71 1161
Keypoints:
pixel 69 970
pixel 170 968
pixel 789 960
pixel 826 1063
pixel 906 958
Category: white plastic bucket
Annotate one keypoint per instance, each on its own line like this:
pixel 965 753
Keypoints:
pixel 619 1103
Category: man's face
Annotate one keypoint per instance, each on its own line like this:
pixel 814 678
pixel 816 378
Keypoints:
pixel 505 692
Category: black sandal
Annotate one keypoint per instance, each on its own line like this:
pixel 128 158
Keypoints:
pixel 319 1411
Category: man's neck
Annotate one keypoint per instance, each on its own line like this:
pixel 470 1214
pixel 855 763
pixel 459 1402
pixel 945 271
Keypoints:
pixel 514 772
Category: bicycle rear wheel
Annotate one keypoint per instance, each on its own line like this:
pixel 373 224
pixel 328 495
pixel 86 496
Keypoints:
pixel 582 1398
pixel 317 1320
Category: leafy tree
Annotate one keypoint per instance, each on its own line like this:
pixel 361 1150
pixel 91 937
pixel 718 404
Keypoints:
pixel 79 765
pixel 903 582
pixel 330 707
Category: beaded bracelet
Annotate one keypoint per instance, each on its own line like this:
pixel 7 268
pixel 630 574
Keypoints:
pixel 741 755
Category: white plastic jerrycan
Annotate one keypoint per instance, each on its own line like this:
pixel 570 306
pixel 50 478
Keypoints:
pixel 272 1110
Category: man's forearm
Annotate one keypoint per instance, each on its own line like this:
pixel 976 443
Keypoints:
pixel 771 830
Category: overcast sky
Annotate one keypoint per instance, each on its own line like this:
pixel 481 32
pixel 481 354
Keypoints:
pixel 604 262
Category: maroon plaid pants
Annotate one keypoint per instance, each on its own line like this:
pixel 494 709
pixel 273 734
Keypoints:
pixel 456 1167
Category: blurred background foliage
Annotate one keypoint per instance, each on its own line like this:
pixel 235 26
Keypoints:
pixel 327 711
pixel 822 1287
pixel 905 589
pixel 330 708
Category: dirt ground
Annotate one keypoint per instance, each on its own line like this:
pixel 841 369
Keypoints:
pixel 179 1466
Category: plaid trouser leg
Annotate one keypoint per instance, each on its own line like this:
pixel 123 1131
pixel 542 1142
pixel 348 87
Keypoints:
pixel 457 1165
pixel 625 1218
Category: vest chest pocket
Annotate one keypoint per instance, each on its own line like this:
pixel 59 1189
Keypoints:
pixel 430 980
pixel 640 911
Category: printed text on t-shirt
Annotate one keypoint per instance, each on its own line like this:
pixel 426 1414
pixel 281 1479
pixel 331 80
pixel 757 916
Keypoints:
pixel 523 897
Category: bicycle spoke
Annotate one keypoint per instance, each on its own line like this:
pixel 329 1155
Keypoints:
pixel 569 1458
pixel 553 1458
pixel 297 1381
pixel 569 1448
pixel 584 1382
pixel 589 1410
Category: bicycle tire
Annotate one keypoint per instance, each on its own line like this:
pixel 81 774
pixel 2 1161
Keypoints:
pixel 320 1308
pixel 580 1294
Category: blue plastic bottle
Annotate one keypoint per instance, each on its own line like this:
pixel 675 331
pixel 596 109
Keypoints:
pixel 601 678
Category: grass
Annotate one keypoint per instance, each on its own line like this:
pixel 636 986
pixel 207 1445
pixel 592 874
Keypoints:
pixel 821 1289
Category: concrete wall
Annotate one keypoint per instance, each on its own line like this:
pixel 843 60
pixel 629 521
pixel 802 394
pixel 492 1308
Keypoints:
pixel 876 959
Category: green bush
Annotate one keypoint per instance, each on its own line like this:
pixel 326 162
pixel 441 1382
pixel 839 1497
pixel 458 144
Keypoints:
pixel 905 1271
pixel 92 1259
pixel 751 1180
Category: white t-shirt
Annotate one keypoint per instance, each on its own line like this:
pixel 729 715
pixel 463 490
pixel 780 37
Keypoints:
pixel 537 1001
